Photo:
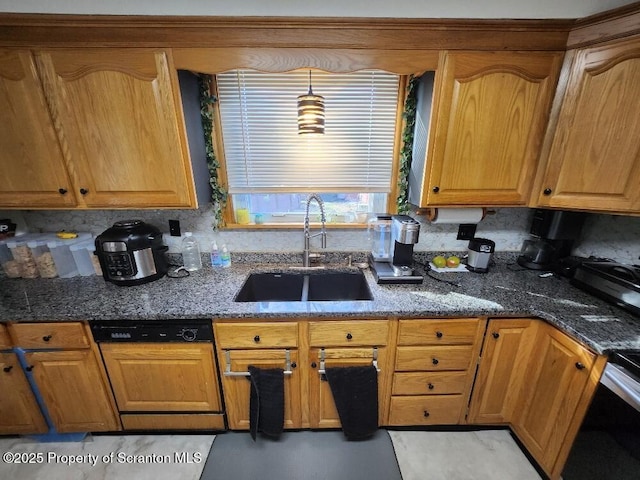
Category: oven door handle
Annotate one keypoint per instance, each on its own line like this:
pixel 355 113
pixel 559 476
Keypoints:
pixel 623 384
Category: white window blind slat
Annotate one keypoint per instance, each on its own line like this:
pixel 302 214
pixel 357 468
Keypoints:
pixel 264 152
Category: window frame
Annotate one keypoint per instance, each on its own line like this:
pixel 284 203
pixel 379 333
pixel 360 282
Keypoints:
pixel 218 145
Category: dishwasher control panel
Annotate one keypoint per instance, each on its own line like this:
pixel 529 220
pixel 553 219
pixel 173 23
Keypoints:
pixel 152 331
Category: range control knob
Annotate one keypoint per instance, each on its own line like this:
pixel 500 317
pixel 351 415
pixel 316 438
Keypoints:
pixel 189 334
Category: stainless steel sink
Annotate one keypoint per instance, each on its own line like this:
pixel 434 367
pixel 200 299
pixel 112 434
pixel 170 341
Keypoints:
pixel 320 286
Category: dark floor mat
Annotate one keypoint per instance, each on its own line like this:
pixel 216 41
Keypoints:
pixel 321 455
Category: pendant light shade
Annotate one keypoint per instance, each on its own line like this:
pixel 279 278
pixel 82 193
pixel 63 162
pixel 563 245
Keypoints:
pixel 310 112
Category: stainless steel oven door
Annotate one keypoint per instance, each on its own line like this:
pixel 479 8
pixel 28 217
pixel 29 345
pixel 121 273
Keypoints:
pixel 623 383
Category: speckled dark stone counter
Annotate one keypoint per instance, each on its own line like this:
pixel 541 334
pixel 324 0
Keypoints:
pixel 505 291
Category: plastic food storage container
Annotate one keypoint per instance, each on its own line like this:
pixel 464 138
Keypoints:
pixel 61 251
pixel 25 265
pixel 9 265
pixel 42 256
pixel 83 255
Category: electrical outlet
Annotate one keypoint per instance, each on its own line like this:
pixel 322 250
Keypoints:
pixel 466 231
pixel 174 228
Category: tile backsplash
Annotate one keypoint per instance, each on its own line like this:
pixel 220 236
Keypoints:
pixel 611 236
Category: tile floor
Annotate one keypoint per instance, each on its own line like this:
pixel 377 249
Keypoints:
pixel 478 455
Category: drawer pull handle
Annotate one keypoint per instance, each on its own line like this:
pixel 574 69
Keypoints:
pixel 46 338
pixel 256 338
pixel 29 368
pixel 426 413
pixel 430 386
pixel 8 368
pixel 435 361
pixel 495 335
pixel 349 336
pixel 83 191
pixel 580 366
pixel 439 334
pixel 314 365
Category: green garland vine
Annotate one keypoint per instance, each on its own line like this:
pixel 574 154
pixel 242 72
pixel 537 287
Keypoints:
pixel 406 156
pixel 218 192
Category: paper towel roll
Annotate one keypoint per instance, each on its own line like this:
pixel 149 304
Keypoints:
pixel 456 215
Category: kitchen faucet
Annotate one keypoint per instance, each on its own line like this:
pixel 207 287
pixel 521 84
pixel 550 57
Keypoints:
pixel 307 235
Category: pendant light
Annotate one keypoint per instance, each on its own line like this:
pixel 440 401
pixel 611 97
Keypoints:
pixel 310 112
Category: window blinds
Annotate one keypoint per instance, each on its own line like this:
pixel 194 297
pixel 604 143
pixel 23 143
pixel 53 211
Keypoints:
pixel 264 152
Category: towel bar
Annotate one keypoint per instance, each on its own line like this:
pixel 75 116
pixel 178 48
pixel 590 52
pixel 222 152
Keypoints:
pixel 230 373
pixel 322 370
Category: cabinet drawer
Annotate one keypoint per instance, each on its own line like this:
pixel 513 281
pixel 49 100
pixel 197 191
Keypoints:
pixel 426 410
pixel 453 357
pixel 5 340
pixel 50 335
pixel 256 334
pixel 342 333
pixel 428 383
pixel 437 332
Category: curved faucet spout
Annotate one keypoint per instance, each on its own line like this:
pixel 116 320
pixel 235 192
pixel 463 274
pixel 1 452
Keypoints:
pixel 307 234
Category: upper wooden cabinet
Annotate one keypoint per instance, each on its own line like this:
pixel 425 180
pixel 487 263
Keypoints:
pixel 92 129
pixel 594 158
pixel 32 166
pixel 490 112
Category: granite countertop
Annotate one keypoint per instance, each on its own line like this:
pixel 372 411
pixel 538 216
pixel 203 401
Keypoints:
pixel 507 290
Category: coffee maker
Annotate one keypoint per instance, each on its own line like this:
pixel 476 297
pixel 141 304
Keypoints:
pixel 391 257
pixel 553 232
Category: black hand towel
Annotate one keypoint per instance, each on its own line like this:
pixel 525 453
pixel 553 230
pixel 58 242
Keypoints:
pixel 266 402
pixel 355 393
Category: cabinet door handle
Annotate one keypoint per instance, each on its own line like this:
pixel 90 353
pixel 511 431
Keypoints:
pixel 83 191
pixel 8 368
pixel 435 361
pixel 349 336
pixel 314 364
pixel 495 335
pixel 439 334
pixel 580 366
pixel 29 368
pixel 435 189
pixel 430 386
pixel 256 338
pixel 547 191
pixel 62 191
pixel 294 365
pixel 46 338
pixel 426 413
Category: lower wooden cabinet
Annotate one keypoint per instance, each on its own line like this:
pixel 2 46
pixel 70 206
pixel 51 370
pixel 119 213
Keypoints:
pixel 73 390
pixel 19 411
pixel 505 357
pixel 560 382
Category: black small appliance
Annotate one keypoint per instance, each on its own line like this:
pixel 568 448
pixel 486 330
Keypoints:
pixel 554 232
pixel 131 252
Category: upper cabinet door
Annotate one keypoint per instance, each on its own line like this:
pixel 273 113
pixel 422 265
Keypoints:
pixel 491 111
pixel 32 170
pixel 594 159
pixel 120 118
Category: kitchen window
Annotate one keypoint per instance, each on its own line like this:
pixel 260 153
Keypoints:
pixel 271 168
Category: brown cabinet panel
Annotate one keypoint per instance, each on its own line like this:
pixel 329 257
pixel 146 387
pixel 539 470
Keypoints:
pixel 256 335
pixel 449 357
pixel 437 332
pixel 73 390
pixel 119 115
pixel 237 389
pixel 505 359
pixel 426 410
pixel 490 115
pixel 594 159
pixel 162 377
pixel 19 411
pixel 322 408
pixel 173 421
pixel 429 383
pixel 348 333
pixel 32 166
pixel 5 339
pixel 49 335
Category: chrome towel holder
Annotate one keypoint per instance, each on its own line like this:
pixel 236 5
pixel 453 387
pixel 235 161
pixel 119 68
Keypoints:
pixel 230 373
pixel 374 362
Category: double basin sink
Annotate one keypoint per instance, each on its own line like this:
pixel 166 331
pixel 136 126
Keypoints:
pixel 314 286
